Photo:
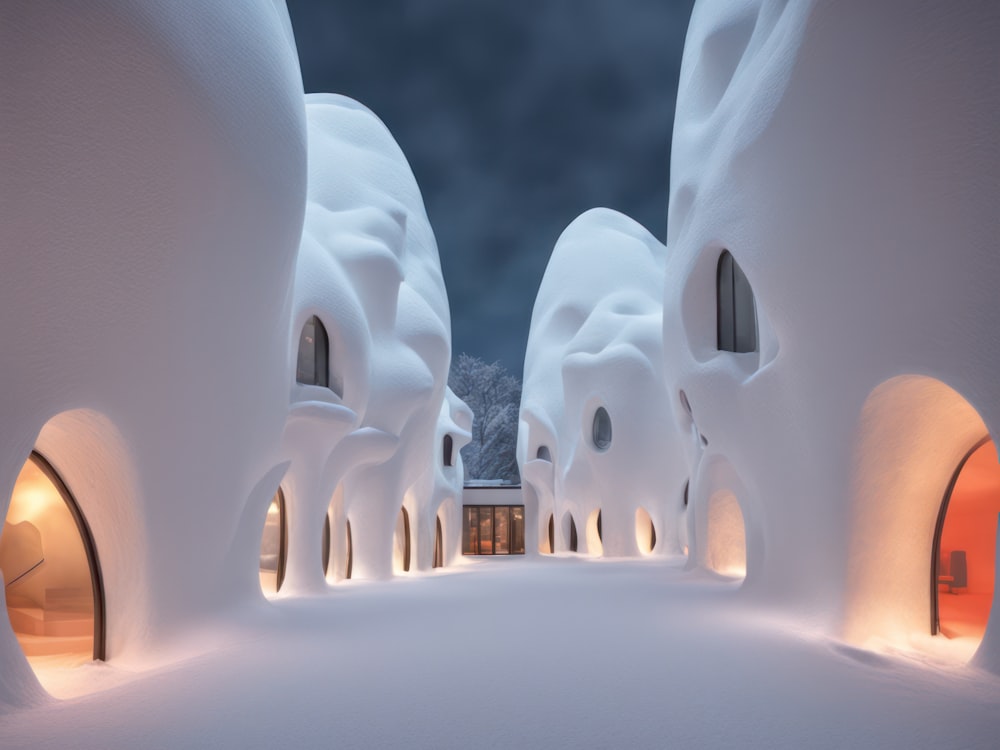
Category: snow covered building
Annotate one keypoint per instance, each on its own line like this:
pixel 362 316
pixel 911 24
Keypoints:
pixel 206 332
pixel 595 458
pixel 830 309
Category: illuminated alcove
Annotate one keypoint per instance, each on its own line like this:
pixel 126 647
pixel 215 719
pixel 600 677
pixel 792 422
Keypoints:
pixel 349 548
pixel 645 532
pixel 550 537
pixel 401 543
pixel 914 439
pixel 274 546
pixel 52 579
pixel 726 551
pixel 595 533
pixel 965 546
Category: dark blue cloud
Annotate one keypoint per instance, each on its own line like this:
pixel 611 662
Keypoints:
pixel 516 117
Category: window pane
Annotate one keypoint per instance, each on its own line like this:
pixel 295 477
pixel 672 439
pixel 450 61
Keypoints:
pixel 322 363
pixel 501 531
pixel 486 530
pixel 470 531
pixel 724 302
pixel 305 370
pixel 744 313
pixel 517 530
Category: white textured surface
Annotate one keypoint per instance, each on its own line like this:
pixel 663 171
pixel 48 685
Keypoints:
pixel 596 341
pixel 376 275
pixel 845 161
pixel 444 661
pixel 154 176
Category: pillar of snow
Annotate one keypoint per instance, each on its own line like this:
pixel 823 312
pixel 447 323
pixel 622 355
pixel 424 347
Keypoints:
pixel 438 492
pixel 595 420
pixel 154 153
pixel 843 162
pixel 384 243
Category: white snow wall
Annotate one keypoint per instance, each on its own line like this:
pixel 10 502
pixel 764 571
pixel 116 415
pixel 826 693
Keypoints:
pixel 370 271
pixel 596 343
pixel 848 162
pixel 154 181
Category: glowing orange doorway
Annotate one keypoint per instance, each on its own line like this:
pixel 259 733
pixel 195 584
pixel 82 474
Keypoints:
pixel 965 547
pixel 52 580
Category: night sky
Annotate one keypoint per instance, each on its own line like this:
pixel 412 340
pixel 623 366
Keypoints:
pixel 516 117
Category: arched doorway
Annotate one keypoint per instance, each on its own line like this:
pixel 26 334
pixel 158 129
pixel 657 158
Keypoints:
pixel 438 544
pixel 964 550
pixel 569 532
pixel 595 533
pixel 401 542
pixel 52 578
pixel 274 546
pixel 645 532
pixel 726 551
pixel 552 534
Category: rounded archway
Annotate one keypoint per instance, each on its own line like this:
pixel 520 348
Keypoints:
pixel 964 551
pixel 645 532
pixel 52 577
pixel 438 544
pixel 913 437
pixel 326 545
pixel 549 545
pixel 274 546
pixel 595 533
pixel 726 550
pixel 401 542
pixel 569 532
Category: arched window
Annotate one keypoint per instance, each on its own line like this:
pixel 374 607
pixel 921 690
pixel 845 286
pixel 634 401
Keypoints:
pixel 448 450
pixel 601 430
pixel 52 578
pixel 314 351
pixel 543 453
pixel 737 314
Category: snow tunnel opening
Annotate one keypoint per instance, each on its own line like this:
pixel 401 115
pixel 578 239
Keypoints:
pixel 274 546
pixel 645 532
pixel 52 579
pixel 726 551
pixel 965 544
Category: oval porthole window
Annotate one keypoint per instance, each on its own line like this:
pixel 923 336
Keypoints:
pixel 602 429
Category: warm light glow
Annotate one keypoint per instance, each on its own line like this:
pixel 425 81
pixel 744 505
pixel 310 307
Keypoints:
pixel 595 544
pixel 968 547
pixel 46 571
pixel 644 533
pixel 272 548
pixel 727 550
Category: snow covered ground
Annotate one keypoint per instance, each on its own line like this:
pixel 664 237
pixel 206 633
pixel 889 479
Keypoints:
pixel 520 652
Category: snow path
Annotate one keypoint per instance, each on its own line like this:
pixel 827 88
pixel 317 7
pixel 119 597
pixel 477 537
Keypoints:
pixel 546 653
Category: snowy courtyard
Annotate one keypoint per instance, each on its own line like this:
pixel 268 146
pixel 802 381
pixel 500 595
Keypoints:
pixel 560 652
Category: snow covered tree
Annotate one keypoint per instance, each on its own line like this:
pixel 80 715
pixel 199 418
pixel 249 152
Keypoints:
pixel 494 395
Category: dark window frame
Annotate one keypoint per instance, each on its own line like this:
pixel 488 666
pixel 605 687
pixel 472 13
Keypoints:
pixel 448 449
pixel 736 308
pixel 90 548
pixel 320 371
